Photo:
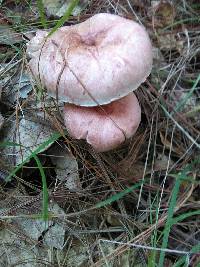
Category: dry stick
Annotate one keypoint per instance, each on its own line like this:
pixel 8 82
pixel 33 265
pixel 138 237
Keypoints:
pixel 174 251
pixel 146 233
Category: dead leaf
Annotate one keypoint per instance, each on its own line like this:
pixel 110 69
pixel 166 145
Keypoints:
pixel 58 8
pixel 8 36
pixel 53 233
pixel 29 135
pixel 20 88
pixel 18 245
pixel 24 86
pixel 162 162
pixel 66 167
pixel 14 251
pixel 163 13
pixel 170 42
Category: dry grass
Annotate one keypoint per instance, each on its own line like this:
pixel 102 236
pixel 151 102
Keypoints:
pixel 164 151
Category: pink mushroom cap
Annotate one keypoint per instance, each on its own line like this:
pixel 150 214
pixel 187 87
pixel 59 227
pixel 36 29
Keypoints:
pixel 94 62
pixel 104 127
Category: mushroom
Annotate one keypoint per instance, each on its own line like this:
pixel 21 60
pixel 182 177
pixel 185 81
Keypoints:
pixel 104 127
pixel 92 64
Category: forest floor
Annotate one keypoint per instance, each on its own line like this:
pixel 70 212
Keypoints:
pixel 62 203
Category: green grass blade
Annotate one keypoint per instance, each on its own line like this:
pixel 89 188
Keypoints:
pixel 170 213
pixel 180 177
pixel 152 259
pixel 33 154
pixel 65 17
pixel 153 254
pixel 42 13
pixel 117 196
pixel 40 148
pixel 45 196
pixel 185 216
pixel 182 262
pixel 187 97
